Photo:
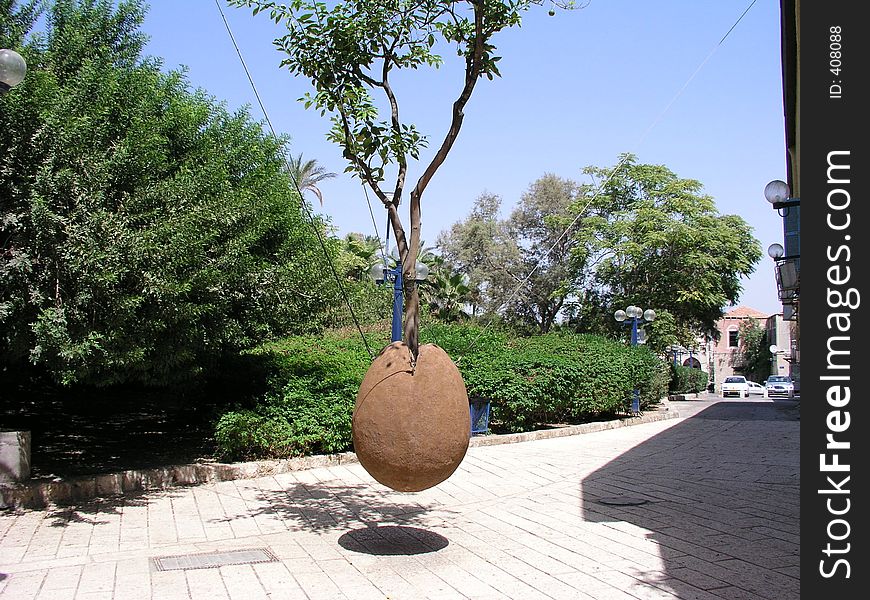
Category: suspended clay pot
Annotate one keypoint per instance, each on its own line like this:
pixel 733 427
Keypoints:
pixel 411 423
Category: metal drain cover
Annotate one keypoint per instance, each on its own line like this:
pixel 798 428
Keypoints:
pixel 623 501
pixel 213 560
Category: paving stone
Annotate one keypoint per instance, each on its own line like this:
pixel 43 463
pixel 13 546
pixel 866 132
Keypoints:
pixel 518 521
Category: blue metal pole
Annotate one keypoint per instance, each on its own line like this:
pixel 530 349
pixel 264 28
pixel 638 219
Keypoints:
pixel 635 401
pixel 397 303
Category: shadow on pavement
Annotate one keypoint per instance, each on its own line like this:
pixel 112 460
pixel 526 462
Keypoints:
pixel 392 540
pixel 766 410
pixel 720 501
pixel 330 506
pixel 94 512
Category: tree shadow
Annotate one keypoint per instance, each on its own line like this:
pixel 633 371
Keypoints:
pixel 82 431
pixel 373 521
pixel 334 506
pixel 392 540
pixel 719 496
pixel 90 512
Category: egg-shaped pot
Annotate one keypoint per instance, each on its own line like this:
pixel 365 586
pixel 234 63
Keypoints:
pixel 411 422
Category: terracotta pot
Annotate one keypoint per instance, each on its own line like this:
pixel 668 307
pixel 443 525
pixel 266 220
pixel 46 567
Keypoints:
pixel 411 423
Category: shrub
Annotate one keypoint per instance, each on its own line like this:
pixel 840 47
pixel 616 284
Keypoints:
pixel 246 434
pixel 311 383
pixel 686 380
pixel 561 378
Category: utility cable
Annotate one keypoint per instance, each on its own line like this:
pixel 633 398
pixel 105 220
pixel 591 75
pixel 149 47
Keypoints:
pixel 381 245
pixel 613 171
pixel 304 207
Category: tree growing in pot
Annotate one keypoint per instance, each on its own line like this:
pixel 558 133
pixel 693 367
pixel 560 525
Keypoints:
pixel 351 51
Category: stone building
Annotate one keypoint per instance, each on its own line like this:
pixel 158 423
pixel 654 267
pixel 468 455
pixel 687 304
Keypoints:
pixel 721 358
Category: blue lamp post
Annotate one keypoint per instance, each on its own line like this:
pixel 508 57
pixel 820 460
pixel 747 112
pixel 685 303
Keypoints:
pixel 382 273
pixel 675 350
pixel 636 317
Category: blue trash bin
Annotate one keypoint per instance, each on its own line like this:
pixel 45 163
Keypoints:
pixel 479 408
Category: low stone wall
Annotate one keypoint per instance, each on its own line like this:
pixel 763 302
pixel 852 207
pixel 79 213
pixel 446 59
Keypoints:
pixel 543 434
pixel 42 494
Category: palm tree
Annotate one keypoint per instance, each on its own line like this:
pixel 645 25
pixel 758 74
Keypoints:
pixel 307 175
pixel 446 291
pixel 360 251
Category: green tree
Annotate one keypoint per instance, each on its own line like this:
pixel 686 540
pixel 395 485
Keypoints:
pixel 527 266
pixel 446 291
pixel 16 20
pixel 659 241
pixel 753 354
pixel 306 175
pixel 550 268
pixel 351 49
pixel 359 253
pixel 145 230
pixel 481 249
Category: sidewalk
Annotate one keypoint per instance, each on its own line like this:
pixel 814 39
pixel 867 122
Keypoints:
pixel 700 506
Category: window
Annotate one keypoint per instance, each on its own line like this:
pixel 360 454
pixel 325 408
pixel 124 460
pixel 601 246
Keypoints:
pixel 733 338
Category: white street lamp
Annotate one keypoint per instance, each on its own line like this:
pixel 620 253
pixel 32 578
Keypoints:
pixel 638 317
pixel 381 273
pixel 775 251
pixel 12 69
pixel 778 194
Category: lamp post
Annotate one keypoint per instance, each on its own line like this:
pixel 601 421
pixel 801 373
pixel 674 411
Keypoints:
pixel 778 194
pixel 775 352
pixel 786 258
pixel 637 317
pixel 787 272
pixel 675 349
pixel 383 273
pixel 12 69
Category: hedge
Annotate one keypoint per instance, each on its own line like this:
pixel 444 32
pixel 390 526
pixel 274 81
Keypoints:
pixel 687 380
pixel 308 385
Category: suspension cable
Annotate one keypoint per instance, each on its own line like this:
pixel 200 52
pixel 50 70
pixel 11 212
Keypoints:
pixel 604 182
pixel 381 245
pixel 302 204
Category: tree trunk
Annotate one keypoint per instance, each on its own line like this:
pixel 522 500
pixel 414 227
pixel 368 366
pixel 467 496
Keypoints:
pixel 409 270
pixel 412 317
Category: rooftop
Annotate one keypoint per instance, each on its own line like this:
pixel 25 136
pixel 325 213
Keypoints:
pixel 742 312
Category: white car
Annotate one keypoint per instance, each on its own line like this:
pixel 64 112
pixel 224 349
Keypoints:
pixel 779 385
pixel 755 389
pixel 735 385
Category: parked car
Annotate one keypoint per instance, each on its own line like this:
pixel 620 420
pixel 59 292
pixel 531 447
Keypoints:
pixel 735 385
pixel 779 385
pixel 755 389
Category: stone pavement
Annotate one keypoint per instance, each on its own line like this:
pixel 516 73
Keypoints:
pixel 704 506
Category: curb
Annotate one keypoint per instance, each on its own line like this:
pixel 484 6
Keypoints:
pixel 544 434
pixel 46 494
pixel 43 494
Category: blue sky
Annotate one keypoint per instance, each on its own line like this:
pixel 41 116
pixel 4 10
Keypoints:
pixel 577 89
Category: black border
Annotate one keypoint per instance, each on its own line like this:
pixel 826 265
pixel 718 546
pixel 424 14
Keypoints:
pixel 832 124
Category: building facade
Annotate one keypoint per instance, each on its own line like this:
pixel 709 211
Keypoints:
pixel 722 357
